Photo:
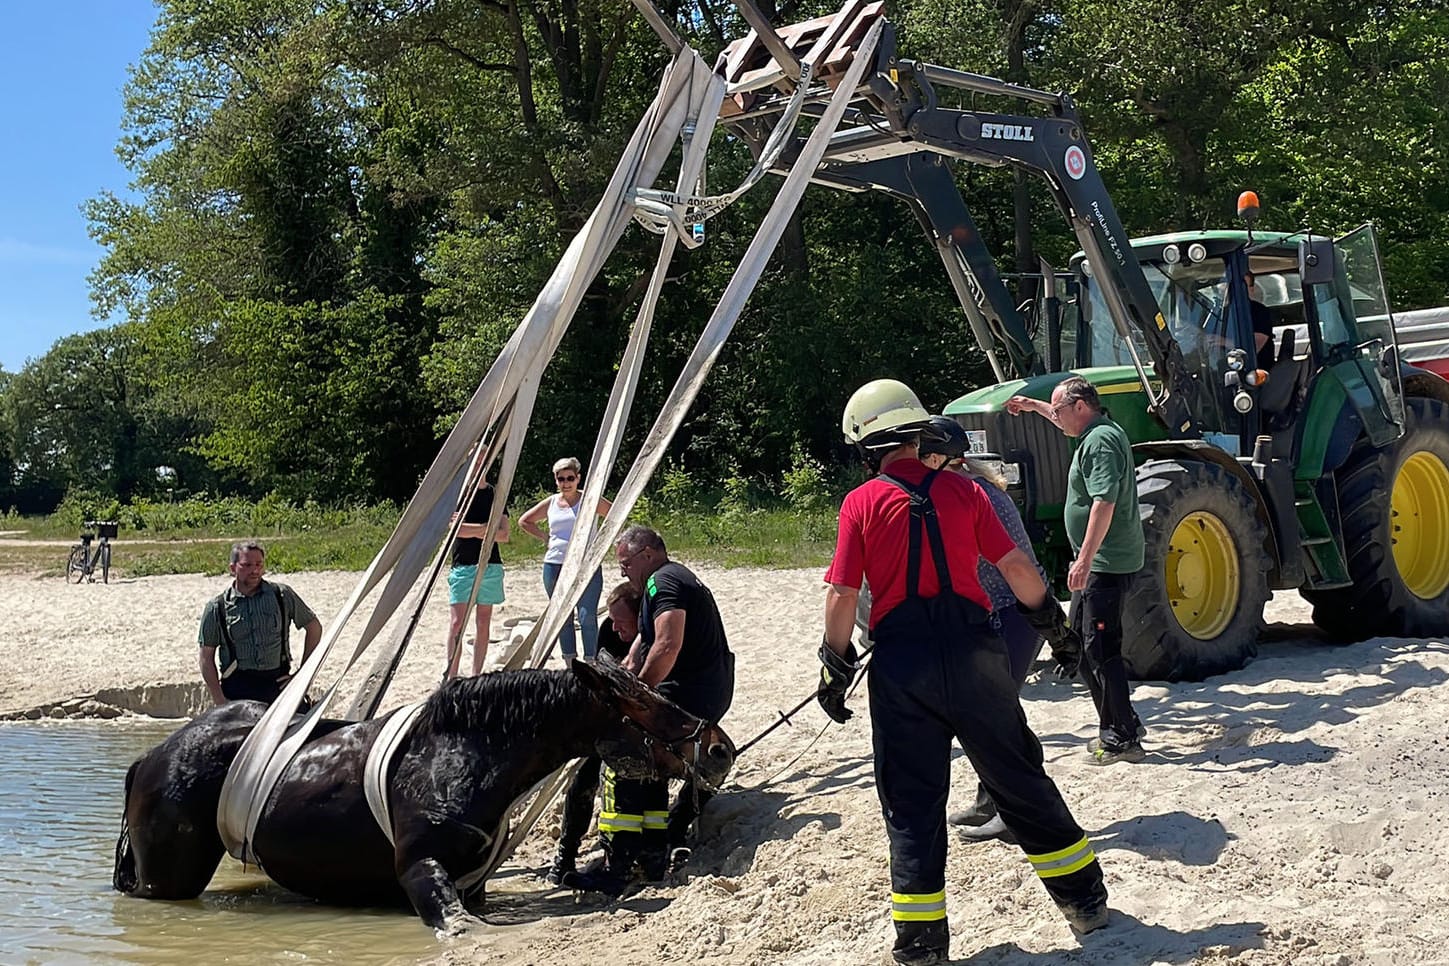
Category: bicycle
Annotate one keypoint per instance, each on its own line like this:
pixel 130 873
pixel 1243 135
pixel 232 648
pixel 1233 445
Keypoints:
pixel 82 563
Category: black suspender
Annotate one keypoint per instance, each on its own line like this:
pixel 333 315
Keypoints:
pixel 923 517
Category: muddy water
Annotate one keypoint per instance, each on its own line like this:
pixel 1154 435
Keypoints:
pixel 61 787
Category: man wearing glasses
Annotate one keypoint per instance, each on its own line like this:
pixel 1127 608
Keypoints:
pixel 1105 531
pixel 683 653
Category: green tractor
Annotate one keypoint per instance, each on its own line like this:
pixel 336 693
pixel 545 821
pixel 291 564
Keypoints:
pixel 1321 463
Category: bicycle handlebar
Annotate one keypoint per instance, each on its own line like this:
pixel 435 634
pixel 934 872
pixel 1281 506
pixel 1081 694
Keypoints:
pixel 89 524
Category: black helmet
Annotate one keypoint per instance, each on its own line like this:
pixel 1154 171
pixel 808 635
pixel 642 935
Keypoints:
pixel 944 437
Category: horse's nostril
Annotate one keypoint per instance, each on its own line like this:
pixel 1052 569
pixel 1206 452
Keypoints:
pixel 718 750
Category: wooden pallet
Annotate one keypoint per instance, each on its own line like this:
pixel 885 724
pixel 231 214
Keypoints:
pixel 749 68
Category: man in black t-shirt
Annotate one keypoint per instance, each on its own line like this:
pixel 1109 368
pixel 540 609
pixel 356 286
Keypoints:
pixel 681 651
pixel 465 583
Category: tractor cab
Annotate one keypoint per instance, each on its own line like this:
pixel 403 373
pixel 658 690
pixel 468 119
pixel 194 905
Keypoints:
pixel 1256 317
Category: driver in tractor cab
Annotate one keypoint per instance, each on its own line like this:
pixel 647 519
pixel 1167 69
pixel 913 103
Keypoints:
pixel 1262 323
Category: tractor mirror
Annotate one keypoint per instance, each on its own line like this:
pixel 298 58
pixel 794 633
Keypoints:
pixel 1315 261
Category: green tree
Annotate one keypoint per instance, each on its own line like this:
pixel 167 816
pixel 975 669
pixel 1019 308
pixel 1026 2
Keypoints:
pixel 79 417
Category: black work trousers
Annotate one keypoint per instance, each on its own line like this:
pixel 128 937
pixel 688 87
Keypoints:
pixel 1097 614
pixel 940 672
pixel 1023 644
pixel 636 820
pixel 578 807
pixel 254 685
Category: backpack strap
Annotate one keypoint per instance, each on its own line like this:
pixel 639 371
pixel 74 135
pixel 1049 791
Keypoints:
pixel 923 517
pixel 286 629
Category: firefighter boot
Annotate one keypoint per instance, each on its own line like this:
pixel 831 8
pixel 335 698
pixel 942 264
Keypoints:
pixel 610 874
pixel 921 943
pixel 1084 917
pixel 654 855
pixel 563 861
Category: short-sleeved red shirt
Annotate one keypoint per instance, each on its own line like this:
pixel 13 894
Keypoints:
pixel 875 530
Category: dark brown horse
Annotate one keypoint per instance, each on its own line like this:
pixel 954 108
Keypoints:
pixel 478 744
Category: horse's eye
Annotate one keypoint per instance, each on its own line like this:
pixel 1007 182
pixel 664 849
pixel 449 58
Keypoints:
pixel 718 750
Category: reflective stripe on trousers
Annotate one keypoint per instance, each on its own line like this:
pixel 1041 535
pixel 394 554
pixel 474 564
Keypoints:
pixel 619 822
pixel 633 806
pixel 925 907
pixel 1063 861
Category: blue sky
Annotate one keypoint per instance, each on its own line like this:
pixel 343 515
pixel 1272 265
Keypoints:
pixel 62 67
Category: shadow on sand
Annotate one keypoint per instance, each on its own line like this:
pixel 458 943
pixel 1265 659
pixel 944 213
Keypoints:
pixel 1128 939
pixel 1262 697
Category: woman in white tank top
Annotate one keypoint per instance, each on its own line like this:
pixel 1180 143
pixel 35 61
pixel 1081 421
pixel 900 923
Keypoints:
pixel 561 513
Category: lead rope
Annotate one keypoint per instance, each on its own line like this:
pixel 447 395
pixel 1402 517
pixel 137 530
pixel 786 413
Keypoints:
pixel 785 719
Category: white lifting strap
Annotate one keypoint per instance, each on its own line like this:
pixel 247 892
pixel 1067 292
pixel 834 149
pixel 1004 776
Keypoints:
pixel 504 396
pixel 374 770
pixel 503 403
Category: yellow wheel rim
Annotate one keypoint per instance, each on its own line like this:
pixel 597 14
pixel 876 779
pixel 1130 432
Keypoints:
pixel 1203 583
pixel 1419 510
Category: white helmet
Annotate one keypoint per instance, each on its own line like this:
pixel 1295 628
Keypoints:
pixel 883 414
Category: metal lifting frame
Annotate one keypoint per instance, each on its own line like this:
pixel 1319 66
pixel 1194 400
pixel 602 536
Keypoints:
pixel 826 72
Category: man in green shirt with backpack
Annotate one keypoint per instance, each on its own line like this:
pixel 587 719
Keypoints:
pixel 1105 530
pixel 245 630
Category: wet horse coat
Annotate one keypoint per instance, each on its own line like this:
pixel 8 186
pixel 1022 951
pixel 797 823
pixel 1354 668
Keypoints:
pixel 478 744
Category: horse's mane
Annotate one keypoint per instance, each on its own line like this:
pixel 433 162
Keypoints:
pixel 504 702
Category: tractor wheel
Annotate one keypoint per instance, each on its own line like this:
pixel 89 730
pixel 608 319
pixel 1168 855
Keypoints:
pixel 1196 606
pixel 1398 549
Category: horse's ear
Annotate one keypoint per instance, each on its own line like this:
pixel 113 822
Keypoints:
pixel 595 675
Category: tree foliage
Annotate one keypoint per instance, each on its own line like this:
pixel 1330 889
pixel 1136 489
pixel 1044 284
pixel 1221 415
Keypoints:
pixel 343 208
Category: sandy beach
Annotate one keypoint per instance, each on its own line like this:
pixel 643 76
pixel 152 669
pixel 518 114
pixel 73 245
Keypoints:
pixel 1286 813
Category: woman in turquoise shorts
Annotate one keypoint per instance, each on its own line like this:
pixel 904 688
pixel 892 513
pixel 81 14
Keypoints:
pixel 486 590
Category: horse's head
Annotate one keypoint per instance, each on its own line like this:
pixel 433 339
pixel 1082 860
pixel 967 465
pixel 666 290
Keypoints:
pixel 653 737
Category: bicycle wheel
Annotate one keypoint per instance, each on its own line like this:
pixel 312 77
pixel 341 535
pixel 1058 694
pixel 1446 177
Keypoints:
pixel 75 565
pixel 105 563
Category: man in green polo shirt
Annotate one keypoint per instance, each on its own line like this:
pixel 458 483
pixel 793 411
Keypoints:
pixel 245 626
pixel 1105 530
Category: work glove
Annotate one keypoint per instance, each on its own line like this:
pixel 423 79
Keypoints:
pixel 837 673
pixel 1065 643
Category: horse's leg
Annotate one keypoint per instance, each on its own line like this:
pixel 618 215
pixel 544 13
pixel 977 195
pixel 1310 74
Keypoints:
pixel 435 896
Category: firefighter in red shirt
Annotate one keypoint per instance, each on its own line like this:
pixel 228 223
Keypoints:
pixel 939 672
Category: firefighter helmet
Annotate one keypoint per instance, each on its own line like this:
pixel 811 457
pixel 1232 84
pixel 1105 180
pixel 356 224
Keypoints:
pixel 882 415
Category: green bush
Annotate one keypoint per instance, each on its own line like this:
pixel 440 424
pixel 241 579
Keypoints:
pixel 732 526
pixel 676 490
pixel 805 487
